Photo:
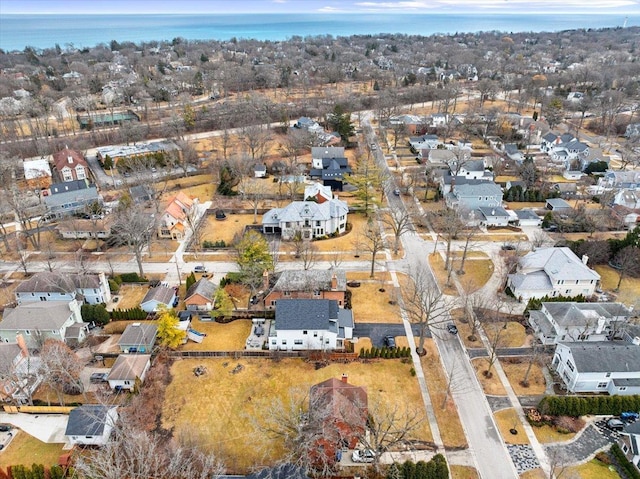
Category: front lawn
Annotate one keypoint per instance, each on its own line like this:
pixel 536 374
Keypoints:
pixel 506 420
pixel 370 305
pixel 491 385
pixel 515 373
pixel 27 450
pixel 629 288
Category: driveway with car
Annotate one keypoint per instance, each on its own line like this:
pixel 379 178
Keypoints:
pixel 378 331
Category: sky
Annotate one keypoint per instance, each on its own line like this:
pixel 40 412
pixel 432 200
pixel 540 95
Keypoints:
pixel 618 7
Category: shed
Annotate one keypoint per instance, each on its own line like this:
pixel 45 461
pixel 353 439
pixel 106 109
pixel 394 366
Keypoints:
pixel 557 204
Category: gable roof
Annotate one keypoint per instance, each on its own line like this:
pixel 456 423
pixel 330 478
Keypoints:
pixel 52 282
pixel 296 314
pixel 571 313
pixel 340 401
pixel 604 356
pixel 41 315
pixel 309 280
pixel 484 188
pixel 559 264
pixel 87 420
pixel 8 354
pixel 327 152
pixel 493 212
pixel 203 287
pixel 128 367
pixel 300 210
pixel 69 158
pixel 161 294
pixel 139 333
pixel 68 186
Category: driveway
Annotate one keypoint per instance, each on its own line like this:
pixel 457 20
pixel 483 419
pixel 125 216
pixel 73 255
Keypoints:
pixel 47 428
pixel 377 331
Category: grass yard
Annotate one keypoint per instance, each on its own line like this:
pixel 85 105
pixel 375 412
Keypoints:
pixel 629 288
pixel 118 327
pixel 515 373
pixel 533 474
pixel 437 266
pixel 227 230
pixel 477 272
pixel 347 242
pixel 224 405
pixel 7 292
pixel 507 419
pixel 463 472
pixel 593 469
pixel 220 337
pixel 26 449
pixel 513 336
pixel 548 434
pixel 448 421
pixel 492 385
pixel 49 396
pixel 131 295
pixel 504 237
pixel 519 205
pixel 372 306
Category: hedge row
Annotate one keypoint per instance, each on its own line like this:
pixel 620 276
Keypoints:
pixel 385 353
pixel 436 468
pixel 580 406
pixel 629 469
pixel 133 313
pixel 35 471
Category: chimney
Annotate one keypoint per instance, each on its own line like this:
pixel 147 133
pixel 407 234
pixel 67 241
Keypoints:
pixel 334 282
pixel 345 378
pixel 265 280
pixel 585 259
pixel 23 345
pixel 70 159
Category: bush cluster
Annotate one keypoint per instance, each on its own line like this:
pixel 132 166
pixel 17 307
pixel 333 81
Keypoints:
pixel 214 244
pixel 535 304
pixel 436 468
pixel 385 353
pixel 132 313
pixel 94 312
pixel 130 278
pixel 35 471
pixel 580 406
pixel 629 469
pixel 230 278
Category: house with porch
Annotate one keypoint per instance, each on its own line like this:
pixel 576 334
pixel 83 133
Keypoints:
pixel 307 284
pixel 174 221
pixel 91 424
pixel 611 367
pixel 129 371
pixel 310 324
pixel 571 321
pixel 310 219
pixel 52 286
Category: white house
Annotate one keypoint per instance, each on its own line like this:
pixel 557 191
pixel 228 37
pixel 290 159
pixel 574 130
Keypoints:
pixel 424 142
pixel 91 424
pixel 36 322
pixel 316 324
pixel 37 169
pixel 311 219
pixel 128 371
pixel 552 272
pixel 19 372
pixel 570 321
pixel 52 286
pixel 611 367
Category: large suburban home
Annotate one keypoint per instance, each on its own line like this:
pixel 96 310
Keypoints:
pixel 160 296
pixel 19 372
pixel 495 216
pixel 310 324
pixel 51 286
pixel 307 284
pixel 310 219
pixel 628 198
pixel 552 272
pixel 611 367
pixel 473 196
pixel 138 338
pixel 343 410
pixel 619 180
pixel 71 197
pixel 129 371
pixel 77 229
pixel 474 169
pixel 571 321
pixel 174 222
pixel 629 442
pixel 552 140
pixel 200 296
pixel 70 165
pixel 329 165
pixel 37 322
pixel 91 424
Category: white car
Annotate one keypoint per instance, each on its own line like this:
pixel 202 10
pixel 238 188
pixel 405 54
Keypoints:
pixel 363 455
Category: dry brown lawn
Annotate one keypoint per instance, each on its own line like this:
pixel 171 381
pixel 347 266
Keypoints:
pixel 130 295
pixel 518 205
pixel 629 288
pixel 548 434
pixel 347 242
pixel 220 337
pixel 437 265
pixel 372 306
pixel 504 237
pixel 221 407
pixel 515 373
pixel 363 343
pixel 227 230
pixel 507 419
pixel 505 178
pixel 476 273
pixel 118 327
pixel 464 329
pixel 7 292
pixel 463 472
pixel 26 449
pixel 533 474
pixel 448 421
pixel 598 235
pixel 513 336
pixel 492 385
pixel 593 469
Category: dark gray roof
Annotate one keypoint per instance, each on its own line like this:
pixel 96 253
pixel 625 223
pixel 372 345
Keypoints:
pixel 633 428
pixel 52 282
pixel 493 211
pixel 162 294
pixel 139 334
pixel 460 180
pixel 321 314
pixel 311 280
pixel 327 152
pixel 128 367
pixel 87 420
pixel 66 186
pixel 484 188
pixel 141 192
pixel 202 287
pixel 627 382
pixel 605 356
pixel 284 471
pixel 49 315
pixel 526 215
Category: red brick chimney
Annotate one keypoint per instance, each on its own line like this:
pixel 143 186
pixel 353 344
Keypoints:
pixel 334 282
pixel 345 378
pixel 265 280
pixel 23 345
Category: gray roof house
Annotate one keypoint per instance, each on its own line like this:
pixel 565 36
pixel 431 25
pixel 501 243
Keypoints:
pixel 128 371
pixel 552 272
pixel 159 296
pixel 91 424
pixel 310 324
pixel 471 197
pixel 494 216
pixel 138 338
pixel 570 321
pixel 70 197
pixel 528 218
pixel 199 296
pixel 611 367
pixel 557 204
pixel 311 219
pixel 39 321
pixel 53 286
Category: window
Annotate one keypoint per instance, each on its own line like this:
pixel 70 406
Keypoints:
pixel 623 388
pixel 128 383
pixel 273 302
pixel 583 337
pixel 42 298
pixel 570 365
pixel 608 375
pixel 297 342
pixel 318 223
pixel 326 341
pixel 602 385
pixel 274 342
pixel 315 334
pixel 305 332
pixel 624 448
pixel 27 332
pixel 284 342
pixel 316 293
pixel 287 293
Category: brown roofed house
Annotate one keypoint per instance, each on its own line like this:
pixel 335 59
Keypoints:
pixel 310 284
pixel 175 218
pixel 70 165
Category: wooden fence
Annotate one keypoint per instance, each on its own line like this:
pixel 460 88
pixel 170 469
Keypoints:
pixel 39 409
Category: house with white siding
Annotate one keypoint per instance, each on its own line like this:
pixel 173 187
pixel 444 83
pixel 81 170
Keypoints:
pixel 91 424
pixel 128 371
pixel 310 219
pixel 52 286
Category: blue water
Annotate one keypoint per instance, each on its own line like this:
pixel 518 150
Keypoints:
pixel 44 31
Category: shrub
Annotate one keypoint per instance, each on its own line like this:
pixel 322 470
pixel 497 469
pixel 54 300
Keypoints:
pixel 412 371
pixel 580 406
pixel 624 463
pixel 114 287
pixel 132 278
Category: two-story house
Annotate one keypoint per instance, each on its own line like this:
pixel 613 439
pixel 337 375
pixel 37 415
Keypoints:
pixel 71 197
pixel 70 165
pixel 175 220
pixel 52 286
pixel 310 324
pixel 552 272
pixel 329 165
pixel 307 284
pixel 424 142
pixel 473 196
pixel 611 367
pixel 37 322
pixel 310 219
pixel 570 321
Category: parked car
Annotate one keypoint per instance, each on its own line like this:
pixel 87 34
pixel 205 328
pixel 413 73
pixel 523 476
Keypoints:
pixel 199 269
pixel 97 378
pixel 5 427
pixel 615 424
pixel 629 416
pixel 508 247
pixel 363 455
pixel 396 192
pixel 452 328
pixel 390 342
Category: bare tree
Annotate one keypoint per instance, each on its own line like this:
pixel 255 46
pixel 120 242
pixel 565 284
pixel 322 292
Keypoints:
pixel 256 140
pixel 627 262
pixel 448 225
pixel 255 190
pixel 194 224
pixel 20 378
pixel 61 368
pixel 399 220
pixel 372 242
pixel 468 236
pixel 134 228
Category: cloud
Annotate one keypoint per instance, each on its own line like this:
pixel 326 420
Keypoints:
pixel 499 6
pixel 328 9
pixel 279 1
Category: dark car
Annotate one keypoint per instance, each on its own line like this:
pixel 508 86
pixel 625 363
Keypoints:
pixel 615 424
pixel 5 427
pixel 452 328
pixel 176 301
pixel 97 378
pixel 629 416
pixel 396 192
pixel 390 342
